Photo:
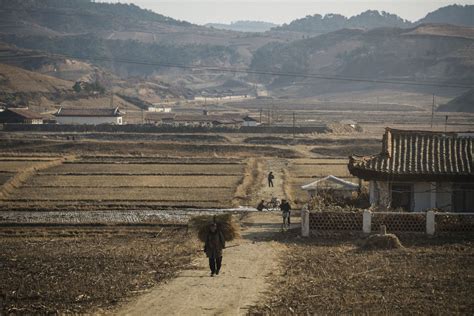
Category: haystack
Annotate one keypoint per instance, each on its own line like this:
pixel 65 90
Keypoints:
pixel 225 223
pixel 382 241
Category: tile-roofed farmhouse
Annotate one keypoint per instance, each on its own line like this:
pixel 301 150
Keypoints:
pixel 418 170
pixel 414 154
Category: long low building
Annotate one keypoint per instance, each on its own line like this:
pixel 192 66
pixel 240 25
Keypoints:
pixel 419 170
pixel 89 116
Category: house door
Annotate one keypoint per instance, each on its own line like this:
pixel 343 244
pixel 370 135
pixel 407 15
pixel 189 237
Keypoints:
pixel 463 197
pixel 402 196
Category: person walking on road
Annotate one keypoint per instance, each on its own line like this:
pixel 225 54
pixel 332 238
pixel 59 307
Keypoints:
pixel 285 212
pixel 270 179
pixel 213 247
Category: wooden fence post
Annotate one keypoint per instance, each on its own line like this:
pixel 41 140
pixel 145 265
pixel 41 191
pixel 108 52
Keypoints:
pixel 367 221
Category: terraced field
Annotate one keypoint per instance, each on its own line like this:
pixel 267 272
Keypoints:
pixel 166 183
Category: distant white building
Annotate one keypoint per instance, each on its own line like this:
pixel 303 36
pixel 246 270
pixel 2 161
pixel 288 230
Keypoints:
pixel 249 121
pixel 338 186
pixel 89 116
pixel 159 109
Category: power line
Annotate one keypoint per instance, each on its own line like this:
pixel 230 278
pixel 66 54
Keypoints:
pixel 249 71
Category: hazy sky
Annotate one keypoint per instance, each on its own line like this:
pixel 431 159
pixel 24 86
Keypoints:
pixel 277 11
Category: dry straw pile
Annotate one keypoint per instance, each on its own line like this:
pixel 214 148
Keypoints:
pixel 225 223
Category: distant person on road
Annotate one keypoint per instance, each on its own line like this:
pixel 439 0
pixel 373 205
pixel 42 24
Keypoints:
pixel 261 206
pixel 285 211
pixel 270 179
pixel 213 247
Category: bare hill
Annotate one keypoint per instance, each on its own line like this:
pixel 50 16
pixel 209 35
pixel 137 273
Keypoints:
pixel 14 79
pixel 439 53
pixel 462 103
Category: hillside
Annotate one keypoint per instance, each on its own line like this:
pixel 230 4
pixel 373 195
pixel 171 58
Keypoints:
pixel 244 26
pixel 384 53
pixel 462 103
pixel 13 79
pixel 453 14
pixel 331 22
pixel 317 24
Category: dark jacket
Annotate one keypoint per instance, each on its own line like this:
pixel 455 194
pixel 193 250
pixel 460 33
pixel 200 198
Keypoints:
pixel 215 242
pixel 271 176
pixel 285 207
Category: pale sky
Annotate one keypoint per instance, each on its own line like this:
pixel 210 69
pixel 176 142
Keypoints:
pixel 277 11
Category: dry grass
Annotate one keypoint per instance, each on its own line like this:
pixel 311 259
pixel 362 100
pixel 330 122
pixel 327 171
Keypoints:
pixel 136 169
pixel 123 194
pixel 253 176
pixel 15 166
pixel 429 276
pixel 226 223
pixel 134 181
pixel 77 270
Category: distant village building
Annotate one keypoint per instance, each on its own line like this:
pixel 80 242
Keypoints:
pixel 201 120
pixel 249 121
pixel 159 109
pixel 20 116
pixel 89 116
pixel 350 123
pixel 419 170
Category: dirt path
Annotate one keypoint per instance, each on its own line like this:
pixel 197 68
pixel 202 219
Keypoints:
pixel 277 166
pixel 248 263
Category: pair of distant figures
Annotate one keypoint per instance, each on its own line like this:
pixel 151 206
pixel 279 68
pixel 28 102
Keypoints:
pixel 275 203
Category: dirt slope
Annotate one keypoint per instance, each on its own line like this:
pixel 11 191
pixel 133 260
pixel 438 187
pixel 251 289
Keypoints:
pixel 14 79
pixel 248 264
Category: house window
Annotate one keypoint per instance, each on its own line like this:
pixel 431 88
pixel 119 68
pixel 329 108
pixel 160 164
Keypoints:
pixel 402 196
pixel 463 197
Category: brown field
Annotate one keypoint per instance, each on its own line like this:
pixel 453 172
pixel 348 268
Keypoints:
pixel 331 276
pixel 216 195
pixel 130 181
pixel 135 169
pixel 75 270
pixel 171 184
pixel 14 166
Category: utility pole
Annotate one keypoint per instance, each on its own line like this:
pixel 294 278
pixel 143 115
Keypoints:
pixel 432 111
pixel 261 112
pixel 294 124
pixel 446 124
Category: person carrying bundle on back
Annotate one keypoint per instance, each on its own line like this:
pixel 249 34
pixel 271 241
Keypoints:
pixel 213 247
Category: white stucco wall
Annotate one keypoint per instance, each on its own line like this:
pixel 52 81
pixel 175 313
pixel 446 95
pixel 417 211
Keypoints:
pixel 249 123
pixel 89 120
pixel 422 196
pixel 426 195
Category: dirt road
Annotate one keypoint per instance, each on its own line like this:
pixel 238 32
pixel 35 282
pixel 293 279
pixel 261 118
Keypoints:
pixel 277 166
pixel 248 263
